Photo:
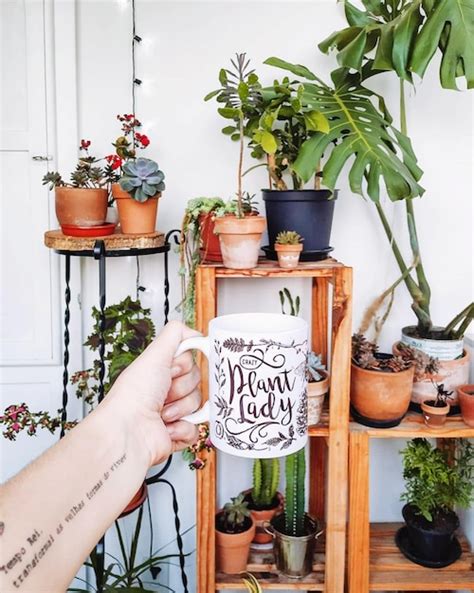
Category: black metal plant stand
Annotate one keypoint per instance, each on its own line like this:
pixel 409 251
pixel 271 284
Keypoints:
pixel 100 254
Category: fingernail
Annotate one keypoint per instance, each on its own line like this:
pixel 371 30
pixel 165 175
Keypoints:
pixel 170 413
pixel 175 371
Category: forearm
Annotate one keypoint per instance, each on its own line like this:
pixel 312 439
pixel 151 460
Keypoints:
pixel 56 509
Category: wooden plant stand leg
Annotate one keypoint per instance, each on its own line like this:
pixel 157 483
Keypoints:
pixel 338 433
pixel 206 309
pixel 359 527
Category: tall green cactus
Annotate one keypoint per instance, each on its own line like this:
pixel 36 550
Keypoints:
pixel 295 469
pixel 266 474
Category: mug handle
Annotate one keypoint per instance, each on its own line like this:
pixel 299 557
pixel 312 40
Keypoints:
pixel 203 345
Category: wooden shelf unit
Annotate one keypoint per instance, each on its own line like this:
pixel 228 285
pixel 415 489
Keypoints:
pixel 374 562
pixel 328 448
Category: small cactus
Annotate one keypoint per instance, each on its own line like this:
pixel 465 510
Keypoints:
pixel 288 238
pixel 295 470
pixel 266 474
pixel 142 179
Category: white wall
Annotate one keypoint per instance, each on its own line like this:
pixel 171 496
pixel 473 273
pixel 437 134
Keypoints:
pixel 185 44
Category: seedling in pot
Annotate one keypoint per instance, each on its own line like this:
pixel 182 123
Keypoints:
pixel 435 411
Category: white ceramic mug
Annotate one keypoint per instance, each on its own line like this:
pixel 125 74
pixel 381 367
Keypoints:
pixel 257 383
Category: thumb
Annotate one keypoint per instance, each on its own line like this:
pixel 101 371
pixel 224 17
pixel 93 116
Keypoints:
pixel 163 348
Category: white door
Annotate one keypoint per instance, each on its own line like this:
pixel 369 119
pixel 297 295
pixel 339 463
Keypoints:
pixel 30 297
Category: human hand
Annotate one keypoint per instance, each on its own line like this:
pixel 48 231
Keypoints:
pixel 157 390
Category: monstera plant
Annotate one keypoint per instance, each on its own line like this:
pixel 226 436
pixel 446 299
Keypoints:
pixel 403 36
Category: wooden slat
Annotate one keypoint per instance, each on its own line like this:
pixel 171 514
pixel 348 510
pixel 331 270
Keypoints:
pixel 412 426
pixel 206 309
pixel 337 468
pixel 270 269
pixel 274 581
pixel 421 581
pixel 358 535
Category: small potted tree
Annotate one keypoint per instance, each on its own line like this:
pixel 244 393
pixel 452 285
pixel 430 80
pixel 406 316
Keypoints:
pixel 235 531
pixel 318 387
pixel 466 402
pixel 434 486
pixel 435 411
pixel 288 246
pixel 239 228
pixel 140 181
pixel 264 500
pixel 81 203
pixel 294 531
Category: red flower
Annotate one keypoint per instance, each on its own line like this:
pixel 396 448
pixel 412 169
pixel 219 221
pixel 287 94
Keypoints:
pixel 85 144
pixel 142 139
pixel 114 160
pixel 15 427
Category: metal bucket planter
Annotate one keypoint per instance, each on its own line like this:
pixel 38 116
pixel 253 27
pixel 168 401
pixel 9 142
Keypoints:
pixel 293 555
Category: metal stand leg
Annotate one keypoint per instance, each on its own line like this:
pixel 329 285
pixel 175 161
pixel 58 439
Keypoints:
pixel 177 235
pixel 67 300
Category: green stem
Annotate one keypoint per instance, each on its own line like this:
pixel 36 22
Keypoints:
pixel 122 547
pixel 403 112
pixel 241 161
pixel 467 314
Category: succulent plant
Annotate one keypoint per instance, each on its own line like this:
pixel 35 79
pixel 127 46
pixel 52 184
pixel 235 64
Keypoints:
pixel 266 473
pixel 313 365
pixel 142 179
pixel 288 238
pixel 234 514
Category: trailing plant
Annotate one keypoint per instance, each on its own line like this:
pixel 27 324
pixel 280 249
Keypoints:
pixel 435 484
pixel 195 454
pixel 266 475
pixel 19 417
pixel 295 471
pixel 288 238
pixel 234 516
pixel 240 97
pixel 142 179
pixel 313 365
pixel 424 364
pixel 365 355
pixel 403 37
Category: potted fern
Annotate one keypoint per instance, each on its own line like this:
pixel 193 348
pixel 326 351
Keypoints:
pixel 235 530
pixel 434 486
pixel 288 246
pixel 239 228
pixel 263 499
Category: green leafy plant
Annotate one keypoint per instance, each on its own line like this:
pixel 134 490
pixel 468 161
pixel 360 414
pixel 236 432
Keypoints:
pixel 266 474
pixel 142 179
pixel 288 238
pixel 403 37
pixel 240 97
pixel 434 484
pixel 295 472
pixel 234 516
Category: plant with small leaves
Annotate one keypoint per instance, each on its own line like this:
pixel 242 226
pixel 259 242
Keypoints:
pixel 235 516
pixel 434 483
pixel 19 417
pixel 294 304
pixel 424 364
pixel 266 475
pixel 288 238
pixel 240 97
pixel 295 473
pixel 195 454
pixel 249 206
pixel 142 179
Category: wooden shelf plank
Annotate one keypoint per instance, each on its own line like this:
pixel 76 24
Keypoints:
pixel 418 581
pixel 270 269
pixel 413 426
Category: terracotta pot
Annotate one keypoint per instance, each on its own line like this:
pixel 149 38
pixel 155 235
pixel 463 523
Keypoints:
pixel 80 207
pixel 260 516
pixel 232 550
pixel 210 244
pixel 452 373
pixel 434 417
pixel 466 401
pixel 137 500
pixel 379 398
pixel 317 391
pixel 136 218
pixel 288 255
pixel 240 240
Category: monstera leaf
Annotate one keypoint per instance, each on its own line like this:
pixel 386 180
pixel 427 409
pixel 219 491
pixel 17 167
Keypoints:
pixel 359 133
pixel 449 26
pixel 405 35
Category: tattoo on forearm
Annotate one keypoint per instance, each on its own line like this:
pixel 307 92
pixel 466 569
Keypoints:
pixel 23 560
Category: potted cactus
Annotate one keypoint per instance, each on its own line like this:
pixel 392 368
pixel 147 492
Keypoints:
pixel 235 530
pixel 81 202
pixel 263 499
pixel 294 531
pixel 318 387
pixel 288 246
pixel 435 411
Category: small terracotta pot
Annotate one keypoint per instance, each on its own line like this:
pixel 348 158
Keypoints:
pixel 232 550
pixel 466 401
pixel 380 398
pixel 240 240
pixel 288 255
pixel 260 516
pixel 434 417
pixel 136 218
pixel 317 391
pixel 451 373
pixel 210 245
pixel 137 500
pixel 77 206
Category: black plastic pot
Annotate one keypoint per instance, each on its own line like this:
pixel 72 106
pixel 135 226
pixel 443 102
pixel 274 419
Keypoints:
pixel 431 541
pixel 308 212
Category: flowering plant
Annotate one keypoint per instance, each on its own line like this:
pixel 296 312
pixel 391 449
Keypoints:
pixel 19 417
pixel 194 454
